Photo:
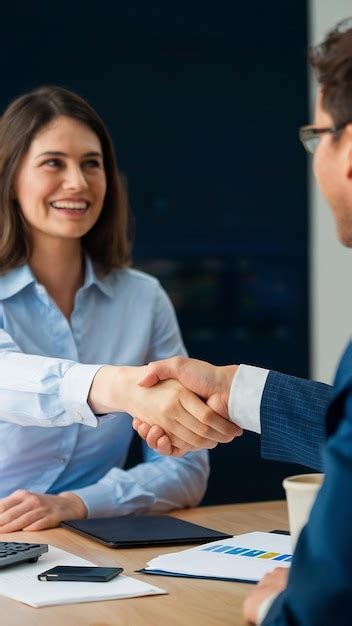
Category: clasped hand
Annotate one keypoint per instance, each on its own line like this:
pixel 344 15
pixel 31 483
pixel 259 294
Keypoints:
pixel 211 384
pixel 189 421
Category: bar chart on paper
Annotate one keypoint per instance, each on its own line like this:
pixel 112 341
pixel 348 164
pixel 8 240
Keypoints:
pixel 250 553
pixel 243 558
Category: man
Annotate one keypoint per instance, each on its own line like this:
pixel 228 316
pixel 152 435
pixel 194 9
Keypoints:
pixel 293 414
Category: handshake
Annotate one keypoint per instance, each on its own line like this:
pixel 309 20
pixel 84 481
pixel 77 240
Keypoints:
pixel 209 425
pixel 178 404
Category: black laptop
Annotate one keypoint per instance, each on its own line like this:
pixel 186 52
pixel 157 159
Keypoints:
pixel 133 532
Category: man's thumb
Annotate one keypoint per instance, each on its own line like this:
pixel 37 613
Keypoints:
pixel 149 380
pixel 157 371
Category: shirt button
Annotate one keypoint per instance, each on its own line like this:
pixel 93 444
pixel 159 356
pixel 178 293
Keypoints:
pixel 79 417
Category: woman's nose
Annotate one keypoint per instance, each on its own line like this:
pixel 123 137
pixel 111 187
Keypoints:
pixel 74 178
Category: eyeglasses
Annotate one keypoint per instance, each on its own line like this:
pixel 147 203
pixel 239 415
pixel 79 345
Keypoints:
pixel 310 135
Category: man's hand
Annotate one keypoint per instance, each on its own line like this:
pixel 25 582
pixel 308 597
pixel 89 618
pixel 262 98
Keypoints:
pixel 270 584
pixel 208 381
pixel 190 423
pixel 25 510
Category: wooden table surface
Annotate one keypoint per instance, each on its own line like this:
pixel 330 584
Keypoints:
pixel 189 602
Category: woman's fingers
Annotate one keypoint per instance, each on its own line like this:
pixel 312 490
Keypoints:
pixel 22 508
pixel 142 428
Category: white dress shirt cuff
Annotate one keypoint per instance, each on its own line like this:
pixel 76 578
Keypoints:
pixel 264 607
pixel 74 392
pixel 246 395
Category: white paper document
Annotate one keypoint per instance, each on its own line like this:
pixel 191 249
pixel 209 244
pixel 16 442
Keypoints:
pixel 20 583
pixel 244 557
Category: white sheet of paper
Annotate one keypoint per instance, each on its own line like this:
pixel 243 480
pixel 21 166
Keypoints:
pixel 202 561
pixel 20 583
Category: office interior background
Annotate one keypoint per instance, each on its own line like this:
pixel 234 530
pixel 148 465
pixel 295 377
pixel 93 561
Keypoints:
pixel 203 101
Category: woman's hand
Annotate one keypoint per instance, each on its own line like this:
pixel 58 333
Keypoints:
pixel 26 510
pixel 188 421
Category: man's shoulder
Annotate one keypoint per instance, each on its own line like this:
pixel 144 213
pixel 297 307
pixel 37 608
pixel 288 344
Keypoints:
pixel 341 405
pixel 343 378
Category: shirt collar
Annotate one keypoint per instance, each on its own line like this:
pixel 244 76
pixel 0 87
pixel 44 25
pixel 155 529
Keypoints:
pixel 17 279
pixel 92 277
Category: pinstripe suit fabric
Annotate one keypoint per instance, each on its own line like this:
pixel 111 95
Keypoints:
pixel 293 419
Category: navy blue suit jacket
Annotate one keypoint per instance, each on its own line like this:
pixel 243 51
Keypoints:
pixel 319 590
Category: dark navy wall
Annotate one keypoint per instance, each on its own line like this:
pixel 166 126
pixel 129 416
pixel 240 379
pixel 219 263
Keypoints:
pixel 203 100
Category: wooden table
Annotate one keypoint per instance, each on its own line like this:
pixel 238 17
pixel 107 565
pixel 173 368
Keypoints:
pixel 190 602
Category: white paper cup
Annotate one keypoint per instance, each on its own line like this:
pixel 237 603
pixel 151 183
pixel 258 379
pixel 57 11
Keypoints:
pixel 301 492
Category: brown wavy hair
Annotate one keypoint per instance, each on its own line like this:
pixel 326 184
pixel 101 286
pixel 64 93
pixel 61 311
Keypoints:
pixel 332 62
pixel 108 242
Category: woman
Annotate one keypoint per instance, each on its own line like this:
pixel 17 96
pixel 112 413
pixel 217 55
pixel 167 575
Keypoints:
pixel 73 320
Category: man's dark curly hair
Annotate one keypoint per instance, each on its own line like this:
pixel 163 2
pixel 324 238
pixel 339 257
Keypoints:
pixel 332 62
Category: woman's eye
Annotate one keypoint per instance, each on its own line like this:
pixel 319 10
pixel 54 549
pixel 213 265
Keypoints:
pixel 54 163
pixel 91 163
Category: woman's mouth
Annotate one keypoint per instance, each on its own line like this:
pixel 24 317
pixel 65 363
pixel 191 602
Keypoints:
pixel 71 206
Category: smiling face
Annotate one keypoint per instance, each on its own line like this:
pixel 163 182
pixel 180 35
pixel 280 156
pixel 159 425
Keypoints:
pixel 60 184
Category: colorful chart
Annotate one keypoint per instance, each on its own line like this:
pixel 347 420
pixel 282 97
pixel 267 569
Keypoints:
pixel 250 552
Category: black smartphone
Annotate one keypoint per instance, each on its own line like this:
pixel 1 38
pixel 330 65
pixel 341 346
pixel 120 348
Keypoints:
pixel 80 574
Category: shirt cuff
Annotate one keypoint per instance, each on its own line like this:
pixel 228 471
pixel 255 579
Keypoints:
pixel 246 396
pixel 74 392
pixel 264 607
pixel 100 499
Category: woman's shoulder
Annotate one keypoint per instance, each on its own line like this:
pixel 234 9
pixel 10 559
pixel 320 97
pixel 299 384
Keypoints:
pixel 133 279
pixel 15 280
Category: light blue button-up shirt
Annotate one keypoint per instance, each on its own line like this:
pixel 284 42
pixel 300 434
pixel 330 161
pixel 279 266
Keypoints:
pixel 46 371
